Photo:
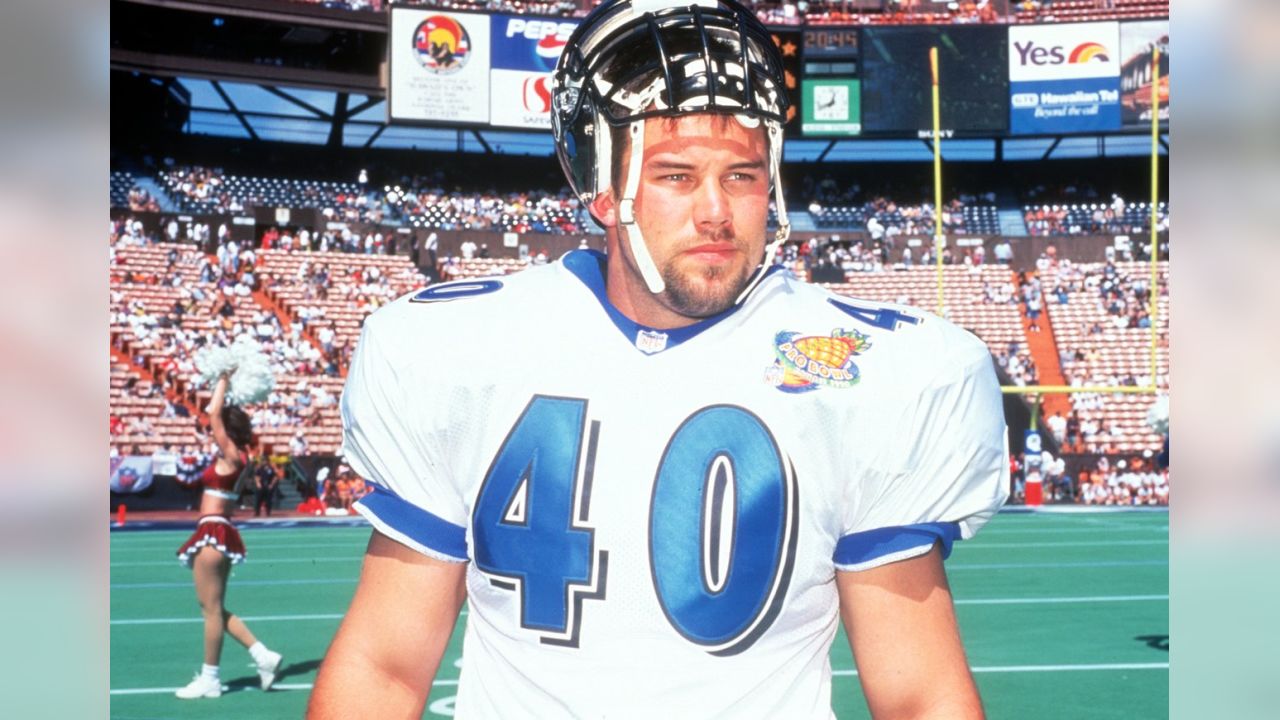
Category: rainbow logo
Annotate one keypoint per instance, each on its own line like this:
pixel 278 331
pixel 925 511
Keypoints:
pixel 1089 51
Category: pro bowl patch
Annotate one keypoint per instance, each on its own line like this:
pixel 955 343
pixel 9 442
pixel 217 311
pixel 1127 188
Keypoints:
pixel 804 363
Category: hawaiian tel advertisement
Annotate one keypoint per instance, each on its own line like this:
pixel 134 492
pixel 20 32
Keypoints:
pixel 1064 78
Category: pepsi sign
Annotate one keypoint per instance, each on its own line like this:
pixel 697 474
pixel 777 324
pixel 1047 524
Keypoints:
pixel 529 44
pixel 525 51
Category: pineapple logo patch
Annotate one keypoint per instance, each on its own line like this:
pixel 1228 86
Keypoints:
pixel 805 363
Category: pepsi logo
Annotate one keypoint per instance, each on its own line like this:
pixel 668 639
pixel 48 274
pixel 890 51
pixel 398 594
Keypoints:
pixel 550 47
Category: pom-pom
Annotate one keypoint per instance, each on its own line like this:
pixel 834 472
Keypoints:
pixel 1158 415
pixel 251 377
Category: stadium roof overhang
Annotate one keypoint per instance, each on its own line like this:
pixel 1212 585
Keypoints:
pixel 230 107
pixel 283 71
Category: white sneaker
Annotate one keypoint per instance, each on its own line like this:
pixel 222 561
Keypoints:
pixel 200 687
pixel 267 669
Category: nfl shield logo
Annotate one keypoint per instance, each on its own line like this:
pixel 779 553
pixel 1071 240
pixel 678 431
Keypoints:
pixel 651 341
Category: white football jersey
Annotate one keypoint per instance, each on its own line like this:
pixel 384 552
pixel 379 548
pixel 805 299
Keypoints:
pixel 654 519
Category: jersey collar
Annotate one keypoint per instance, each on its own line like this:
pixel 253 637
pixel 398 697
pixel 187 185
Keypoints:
pixel 589 267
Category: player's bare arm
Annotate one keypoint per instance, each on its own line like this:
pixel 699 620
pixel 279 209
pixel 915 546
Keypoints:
pixel 902 629
pixel 388 648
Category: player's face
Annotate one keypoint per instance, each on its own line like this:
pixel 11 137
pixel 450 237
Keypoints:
pixel 702 205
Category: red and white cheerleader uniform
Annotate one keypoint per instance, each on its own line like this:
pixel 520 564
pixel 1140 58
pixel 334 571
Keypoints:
pixel 215 530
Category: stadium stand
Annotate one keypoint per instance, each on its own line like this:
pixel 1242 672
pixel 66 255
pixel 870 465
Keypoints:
pixel 121 184
pixel 891 218
pixel 457 268
pixel 969 299
pixel 522 212
pixel 197 189
pixel 1034 11
pixel 1127 482
pixel 563 8
pixel 141 419
pixel 834 12
pixel 168 299
pixel 1115 217
pixel 207 190
pixel 335 290
pixel 912 12
pixel 1103 337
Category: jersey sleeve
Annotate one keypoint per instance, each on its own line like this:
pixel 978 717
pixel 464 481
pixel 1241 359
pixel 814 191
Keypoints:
pixel 940 472
pixel 390 441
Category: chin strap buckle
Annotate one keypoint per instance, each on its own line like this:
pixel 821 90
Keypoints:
pixel 627 211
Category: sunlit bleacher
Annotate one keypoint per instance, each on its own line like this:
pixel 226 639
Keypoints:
pixel 137 412
pixel 1113 349
pixel 998 325
pixel 347 299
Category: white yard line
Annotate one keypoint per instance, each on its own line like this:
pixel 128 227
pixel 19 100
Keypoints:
pixel 977 544
pixel 448 682
pixel 257 560
pixel 960 601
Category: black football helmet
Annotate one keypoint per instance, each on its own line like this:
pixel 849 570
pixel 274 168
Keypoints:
pixel 631 60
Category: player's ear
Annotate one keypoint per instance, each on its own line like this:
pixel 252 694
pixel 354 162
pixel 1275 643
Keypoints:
pixel 605 208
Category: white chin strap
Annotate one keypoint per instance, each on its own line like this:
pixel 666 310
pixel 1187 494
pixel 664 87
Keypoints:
pixel 784 226
pixel 627 214
pixel 626 211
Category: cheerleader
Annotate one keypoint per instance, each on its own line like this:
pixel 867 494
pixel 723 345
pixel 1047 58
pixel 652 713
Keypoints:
pixel 216 545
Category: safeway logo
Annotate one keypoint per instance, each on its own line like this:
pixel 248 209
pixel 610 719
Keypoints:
pixel 535 93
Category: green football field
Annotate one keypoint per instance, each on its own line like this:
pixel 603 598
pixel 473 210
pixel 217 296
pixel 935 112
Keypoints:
pixel 1065 615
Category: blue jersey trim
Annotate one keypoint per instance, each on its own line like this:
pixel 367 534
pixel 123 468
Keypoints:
pixel 417 524
pixel 864 547
pixel 588 266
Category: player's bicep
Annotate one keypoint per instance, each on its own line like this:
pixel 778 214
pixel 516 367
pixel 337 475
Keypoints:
pixel 902 630
pixel 399 622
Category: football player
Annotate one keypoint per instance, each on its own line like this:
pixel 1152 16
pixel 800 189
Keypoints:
pixel 662 476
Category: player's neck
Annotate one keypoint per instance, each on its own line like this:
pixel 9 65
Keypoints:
pixel 629 295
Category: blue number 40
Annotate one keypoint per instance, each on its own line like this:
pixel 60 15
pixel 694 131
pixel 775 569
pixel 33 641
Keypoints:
pixel 722 529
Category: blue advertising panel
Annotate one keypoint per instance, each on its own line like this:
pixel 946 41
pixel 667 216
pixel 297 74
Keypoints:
pixel 1064 106
pixel 521 42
